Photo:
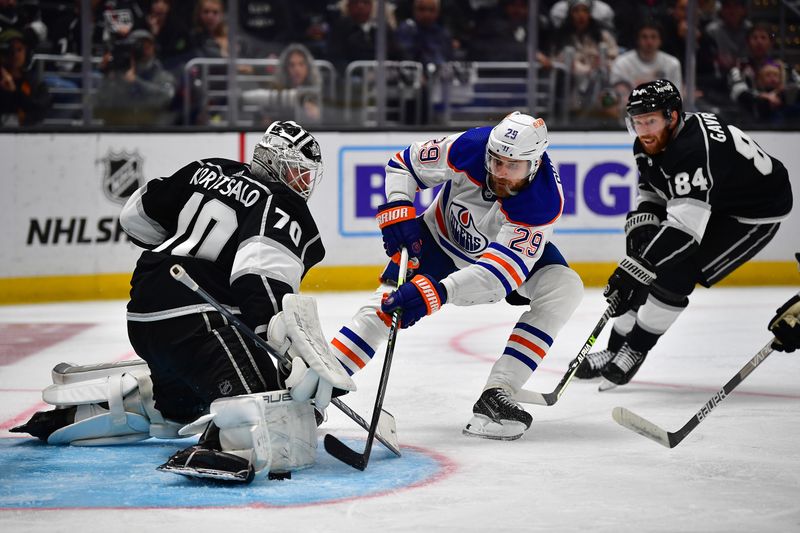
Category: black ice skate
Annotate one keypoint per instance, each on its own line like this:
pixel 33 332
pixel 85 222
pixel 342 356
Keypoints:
pixel 593 364
pixel 205 460
pixel 43 423
pixel 624 365
pixel 497 416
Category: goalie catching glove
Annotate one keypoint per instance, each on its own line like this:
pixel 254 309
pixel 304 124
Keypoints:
pixel 629 285
pixel 314 371
pixel 421 296
pixel 785 325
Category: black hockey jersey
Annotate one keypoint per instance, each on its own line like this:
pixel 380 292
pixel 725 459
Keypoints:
pixel 709 167
pixel 246 242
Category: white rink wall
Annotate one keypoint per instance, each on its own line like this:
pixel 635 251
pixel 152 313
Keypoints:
pixel 62 194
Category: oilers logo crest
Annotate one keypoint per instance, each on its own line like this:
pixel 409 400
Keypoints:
pixel 463 231
pixel 122 175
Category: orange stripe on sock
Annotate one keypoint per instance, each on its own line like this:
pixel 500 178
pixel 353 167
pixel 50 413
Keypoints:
pixel 348 352
pixel 528 344
pixel 502 262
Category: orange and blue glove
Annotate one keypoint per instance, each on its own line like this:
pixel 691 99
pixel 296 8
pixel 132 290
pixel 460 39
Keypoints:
pixel 422 296
pixel 399 227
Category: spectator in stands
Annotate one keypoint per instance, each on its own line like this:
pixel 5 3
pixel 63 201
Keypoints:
pixel 24 99
pixel 352 37
pixel 136 89
pixel 646 63
pixel 266 25
pixel 709 82
pixel 588 50
pixel 312 22
pixel 504 36
pixel 209 36
pixel 601 12
pixel 295 94
pixel 630 14
pixel 423 39
pixel 760 84
pixel 171 33
pixel 26 17
pixel 118 18
pixel 729 33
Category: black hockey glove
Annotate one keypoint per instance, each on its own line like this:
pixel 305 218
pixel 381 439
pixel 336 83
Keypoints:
pixel 785 325
pixel 640 228
pixel 629 285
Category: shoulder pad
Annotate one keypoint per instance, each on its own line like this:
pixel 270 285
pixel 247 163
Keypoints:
pixel 468 153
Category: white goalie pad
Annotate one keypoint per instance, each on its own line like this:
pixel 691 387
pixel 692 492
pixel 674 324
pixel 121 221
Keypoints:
pixel 308 343
pixel 270 429
pixel 127 390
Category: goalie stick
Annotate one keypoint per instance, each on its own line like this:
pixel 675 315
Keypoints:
pixel 334 446
pixel 550 398
pixel 388 438
pixel 670 439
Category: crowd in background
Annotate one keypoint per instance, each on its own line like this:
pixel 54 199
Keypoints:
pixel 607 47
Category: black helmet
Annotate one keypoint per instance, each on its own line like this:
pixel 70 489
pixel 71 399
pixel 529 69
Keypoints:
pixel 655 95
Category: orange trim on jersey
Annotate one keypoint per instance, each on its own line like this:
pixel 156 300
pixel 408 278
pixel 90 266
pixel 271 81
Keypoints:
pixel 528 344
pixel 399 156
pixel 558 215
pixel 502 262
pixel 348 352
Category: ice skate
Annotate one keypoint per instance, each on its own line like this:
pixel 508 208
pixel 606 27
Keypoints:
pixel 623 366
pixel 593 364
pixel 496 416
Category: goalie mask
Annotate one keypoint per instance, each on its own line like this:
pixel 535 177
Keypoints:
pixel 514 152
pixel 290 154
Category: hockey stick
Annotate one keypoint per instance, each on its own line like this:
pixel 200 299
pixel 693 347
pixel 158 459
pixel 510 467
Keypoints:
pixel 549 398
pixel 670 439
pixel 334 446
pixel 388 424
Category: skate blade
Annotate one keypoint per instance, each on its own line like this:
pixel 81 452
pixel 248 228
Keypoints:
pixel 606 385
pixel 244 476
pixel 485 428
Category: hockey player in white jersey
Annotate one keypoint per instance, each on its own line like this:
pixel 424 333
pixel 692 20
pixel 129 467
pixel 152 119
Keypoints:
pixel 486 237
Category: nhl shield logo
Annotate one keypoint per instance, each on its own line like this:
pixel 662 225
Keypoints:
pixel 225 387
pixel 122 175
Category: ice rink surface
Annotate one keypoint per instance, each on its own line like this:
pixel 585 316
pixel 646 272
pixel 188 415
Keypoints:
pixel 574 470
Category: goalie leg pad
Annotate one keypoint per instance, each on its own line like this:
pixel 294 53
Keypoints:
pixel 130 416
pixel 258 433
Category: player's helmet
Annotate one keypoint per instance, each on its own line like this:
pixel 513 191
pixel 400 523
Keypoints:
pixel 654 96
pixel 518 136
pixel 290 154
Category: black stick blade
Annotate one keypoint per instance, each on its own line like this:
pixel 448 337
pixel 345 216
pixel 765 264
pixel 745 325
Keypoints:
pixel 344 453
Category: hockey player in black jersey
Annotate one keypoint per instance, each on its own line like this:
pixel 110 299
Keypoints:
pixel 244 234
pixel 710 198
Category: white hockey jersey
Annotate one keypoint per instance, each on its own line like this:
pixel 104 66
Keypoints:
pixel 494 242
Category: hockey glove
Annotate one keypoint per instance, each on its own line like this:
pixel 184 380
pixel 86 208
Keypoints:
pixel 417 298
pixel 629 285
pixel 399 226
pixel 785 325
pixel 640 228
